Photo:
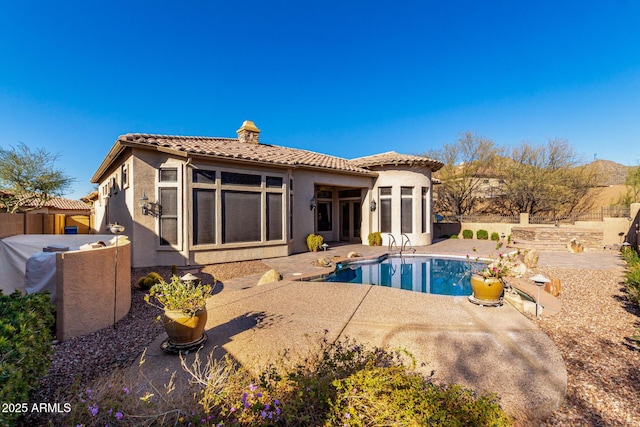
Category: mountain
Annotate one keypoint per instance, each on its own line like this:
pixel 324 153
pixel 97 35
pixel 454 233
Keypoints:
pixel 611 173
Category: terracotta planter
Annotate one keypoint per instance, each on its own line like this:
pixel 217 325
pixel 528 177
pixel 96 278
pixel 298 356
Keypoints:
pixel 487 290
pixel 184 329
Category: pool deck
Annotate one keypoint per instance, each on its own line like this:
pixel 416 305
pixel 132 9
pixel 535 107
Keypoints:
pixel 494 349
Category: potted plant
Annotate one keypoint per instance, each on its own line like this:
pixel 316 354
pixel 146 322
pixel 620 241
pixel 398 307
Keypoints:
pixel 375 238
pixel 487 277
pixel 314 242
pixel 184 305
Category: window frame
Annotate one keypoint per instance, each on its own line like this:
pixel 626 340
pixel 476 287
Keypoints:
pixel 268 186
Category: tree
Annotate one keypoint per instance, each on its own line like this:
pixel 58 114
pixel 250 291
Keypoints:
pixel 29 178
pixel 547 179
pixel 465 162
pixel 632 193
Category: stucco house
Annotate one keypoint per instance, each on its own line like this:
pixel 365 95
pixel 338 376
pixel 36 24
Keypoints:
pixel 199 200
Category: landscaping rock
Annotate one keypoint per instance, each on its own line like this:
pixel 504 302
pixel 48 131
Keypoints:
pixel 322 262
pixel 575 247
pixel 553 287
pixel 270 277
pixel 531 257
pixel 354 254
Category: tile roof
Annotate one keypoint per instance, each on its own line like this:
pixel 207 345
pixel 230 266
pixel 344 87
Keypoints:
pixel 232 148
pixel 67 204
pixel 393 158
pixel 55 203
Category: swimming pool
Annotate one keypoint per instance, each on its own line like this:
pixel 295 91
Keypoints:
pixel 426 274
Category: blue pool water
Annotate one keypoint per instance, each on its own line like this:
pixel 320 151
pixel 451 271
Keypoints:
pixel 428 275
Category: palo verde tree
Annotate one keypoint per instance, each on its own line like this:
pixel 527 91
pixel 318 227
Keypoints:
pixel 546 179
pixel 466 162
pixel 29 178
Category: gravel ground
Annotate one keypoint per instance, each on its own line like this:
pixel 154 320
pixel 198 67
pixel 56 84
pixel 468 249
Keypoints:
pixel 594 332
pixel 79 361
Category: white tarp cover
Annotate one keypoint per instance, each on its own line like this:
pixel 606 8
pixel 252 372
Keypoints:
pixel 18 252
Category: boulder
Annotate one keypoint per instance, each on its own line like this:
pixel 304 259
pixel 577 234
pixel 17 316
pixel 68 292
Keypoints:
pixel 270 277
pixel 322 262
pixel 354 254
pixel 531 258
pixel 575 247
pixel 519 270
pixel 553 287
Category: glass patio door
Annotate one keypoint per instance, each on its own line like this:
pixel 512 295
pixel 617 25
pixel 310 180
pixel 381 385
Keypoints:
pixel 350 220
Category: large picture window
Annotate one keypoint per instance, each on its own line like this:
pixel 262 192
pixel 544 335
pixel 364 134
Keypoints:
pixel 233 207
pixel 241 213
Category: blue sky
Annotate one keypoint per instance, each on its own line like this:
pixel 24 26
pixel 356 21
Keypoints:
pixel 347 78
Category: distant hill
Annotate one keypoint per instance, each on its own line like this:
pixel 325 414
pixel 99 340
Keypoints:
pixel 611 173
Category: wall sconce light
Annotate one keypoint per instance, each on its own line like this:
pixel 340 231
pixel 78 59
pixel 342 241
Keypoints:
pixel 373 206
pixel 150 208
pixel 312 203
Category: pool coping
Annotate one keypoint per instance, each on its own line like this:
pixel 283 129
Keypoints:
pixel 549 303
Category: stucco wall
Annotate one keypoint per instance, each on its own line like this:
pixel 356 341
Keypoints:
pixel 305 182
pixel 405 176
pixel 87 289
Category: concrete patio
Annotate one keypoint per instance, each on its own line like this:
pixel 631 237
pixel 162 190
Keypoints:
pixel 495 349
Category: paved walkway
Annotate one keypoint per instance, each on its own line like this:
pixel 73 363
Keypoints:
pixel 495 349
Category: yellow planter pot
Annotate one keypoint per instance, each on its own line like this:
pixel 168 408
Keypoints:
pixel 184 329
pixel 487 289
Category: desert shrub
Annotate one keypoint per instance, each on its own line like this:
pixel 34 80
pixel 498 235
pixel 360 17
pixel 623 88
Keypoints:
pixel 375 238
pixel 147 282
pixel 495 236
pixel 336 383
pixel 630 256
pixel 314 242
pixel 482 235
pixel 632 281
pixel 467 234
pixel 26 322
pixel 393 396
pixel 373 386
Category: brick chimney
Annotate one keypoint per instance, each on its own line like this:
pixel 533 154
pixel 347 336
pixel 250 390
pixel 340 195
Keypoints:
pixel 248 133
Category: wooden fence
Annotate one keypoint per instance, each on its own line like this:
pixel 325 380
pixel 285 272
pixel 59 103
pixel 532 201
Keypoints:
pixel 41 223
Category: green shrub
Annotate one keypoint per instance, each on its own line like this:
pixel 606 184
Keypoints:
pixel 337 383
pixel 314 242
pixel 467 234
pixel 26 322
pixel 393 396
pixel 375 238
pixel 495 236
pixel 454 236
pixel 630 256
pixel 482 235
pixel 146 282
pixel 632 283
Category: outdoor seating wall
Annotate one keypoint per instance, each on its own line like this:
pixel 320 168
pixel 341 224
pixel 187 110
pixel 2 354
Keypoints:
pixel 609 227
pixel 88 286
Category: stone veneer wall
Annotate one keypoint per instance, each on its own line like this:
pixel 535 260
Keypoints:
pixel 591 239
